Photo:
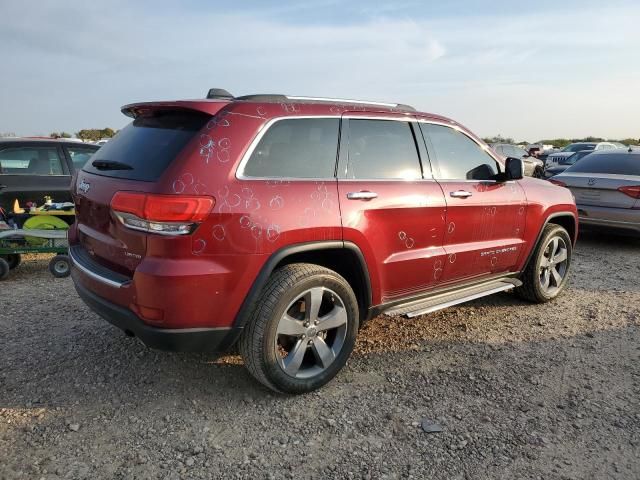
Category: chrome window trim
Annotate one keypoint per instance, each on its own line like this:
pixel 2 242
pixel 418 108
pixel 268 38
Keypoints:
pixel 485 148
pixel 261 133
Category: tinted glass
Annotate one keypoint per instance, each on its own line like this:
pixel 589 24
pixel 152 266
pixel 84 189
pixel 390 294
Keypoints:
pixel 80 155
pixel 518 152
pixel 149 144
pixel 458 156
pixel 382 149
pixel 30 161
pixel 612 163
pixel 574 147
pixel 296 148
pixel 573 158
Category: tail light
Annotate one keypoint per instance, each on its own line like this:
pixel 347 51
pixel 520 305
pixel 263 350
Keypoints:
pixel 163 214
pixel 631 190
pixel 557 182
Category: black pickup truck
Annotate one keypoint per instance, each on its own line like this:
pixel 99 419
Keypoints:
pixel 33 168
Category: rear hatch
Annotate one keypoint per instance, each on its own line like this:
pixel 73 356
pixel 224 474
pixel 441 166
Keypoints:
pixel 133 161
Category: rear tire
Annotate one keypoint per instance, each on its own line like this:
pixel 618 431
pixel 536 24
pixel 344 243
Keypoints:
pixel 59 266
pixel 4 269
pixel 13 260
pixel 302 330
pixel 545 277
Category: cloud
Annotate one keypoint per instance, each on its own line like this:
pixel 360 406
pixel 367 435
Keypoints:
pixel 69 68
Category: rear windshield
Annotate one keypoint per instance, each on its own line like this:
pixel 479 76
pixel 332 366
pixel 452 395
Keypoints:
pixel 612 163
pixel 145 148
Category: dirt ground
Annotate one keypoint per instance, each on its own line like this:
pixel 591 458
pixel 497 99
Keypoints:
pixel 519 390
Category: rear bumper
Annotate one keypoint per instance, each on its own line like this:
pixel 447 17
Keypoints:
pixel 177 340
pixel 605 217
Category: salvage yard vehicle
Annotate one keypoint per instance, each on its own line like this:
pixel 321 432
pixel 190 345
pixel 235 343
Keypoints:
pixel 606 186
pixel 32 168
pixel 554 159
pixel 533 167
pixel 565 163
pixel 284 223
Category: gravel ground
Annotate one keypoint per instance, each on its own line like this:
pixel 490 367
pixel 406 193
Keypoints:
pixel 519 391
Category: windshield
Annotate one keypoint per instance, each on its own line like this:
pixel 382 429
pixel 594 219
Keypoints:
pixel 574 158
pixel 575 147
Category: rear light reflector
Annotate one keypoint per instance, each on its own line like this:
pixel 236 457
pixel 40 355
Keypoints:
pixel 631 190
pixel 557 182
pixel 163 214
pixel 155 315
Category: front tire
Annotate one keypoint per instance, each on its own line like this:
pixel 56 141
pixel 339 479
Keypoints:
pixel 302 330
pixel 545 277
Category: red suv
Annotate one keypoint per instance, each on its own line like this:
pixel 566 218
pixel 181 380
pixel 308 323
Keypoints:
pixel 283 223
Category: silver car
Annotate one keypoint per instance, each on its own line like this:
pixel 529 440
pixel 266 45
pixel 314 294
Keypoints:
pixel 532 166
pixel 606 186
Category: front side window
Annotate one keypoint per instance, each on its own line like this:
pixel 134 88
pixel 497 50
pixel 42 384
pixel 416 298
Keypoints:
pixel 80 155
pixel 458 157
pixel 382 149
pixel 296 148
pixel 30 161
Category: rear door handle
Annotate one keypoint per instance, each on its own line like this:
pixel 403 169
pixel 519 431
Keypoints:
pixel 364 195
pixel 460 194
pixel 2 187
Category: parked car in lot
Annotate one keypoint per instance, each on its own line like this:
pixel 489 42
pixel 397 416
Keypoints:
pixel 284 223
pixel 554 159
pixel 606 186
pixel 32 168
pixel 533 167
pixel 565 163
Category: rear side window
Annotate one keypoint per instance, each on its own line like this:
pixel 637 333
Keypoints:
pixel 80 155
pixel 382 149
pixel 148 145
pixel 30 161
pixel 608 163
pixel 458 157
pixel 296 148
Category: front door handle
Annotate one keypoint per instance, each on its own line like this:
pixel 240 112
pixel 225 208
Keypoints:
pixel 2 187
pixel 460 194
pixel 364 195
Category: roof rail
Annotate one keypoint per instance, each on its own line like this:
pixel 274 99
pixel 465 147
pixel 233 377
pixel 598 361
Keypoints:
pixel 291 98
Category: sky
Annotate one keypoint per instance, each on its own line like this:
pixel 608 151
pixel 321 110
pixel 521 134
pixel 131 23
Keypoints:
pixel 526 70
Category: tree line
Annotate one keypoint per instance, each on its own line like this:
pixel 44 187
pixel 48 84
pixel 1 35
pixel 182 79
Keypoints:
pixel 87 134
pixel 560 142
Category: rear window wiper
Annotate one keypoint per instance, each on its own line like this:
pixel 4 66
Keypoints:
pixel 110 165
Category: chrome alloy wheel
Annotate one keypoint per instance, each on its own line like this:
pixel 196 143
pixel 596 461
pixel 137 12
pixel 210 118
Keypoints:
pixel 311 333
pixel 553 265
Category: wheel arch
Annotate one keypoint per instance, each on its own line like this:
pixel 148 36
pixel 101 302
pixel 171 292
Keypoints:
pixel 345 258
pixel 567 220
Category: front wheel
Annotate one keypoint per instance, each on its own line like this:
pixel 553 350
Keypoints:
pixel 302 330
pixel 545 277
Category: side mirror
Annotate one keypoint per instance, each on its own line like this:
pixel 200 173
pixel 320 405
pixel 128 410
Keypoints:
pixel 513 168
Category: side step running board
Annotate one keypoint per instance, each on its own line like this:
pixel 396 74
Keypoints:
pixel 448 299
